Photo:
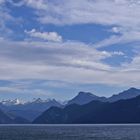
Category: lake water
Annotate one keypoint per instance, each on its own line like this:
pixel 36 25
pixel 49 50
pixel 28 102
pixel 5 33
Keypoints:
pixel 69 132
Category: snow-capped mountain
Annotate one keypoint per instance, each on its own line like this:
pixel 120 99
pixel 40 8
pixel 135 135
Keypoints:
pixel 11 102
pixel 28 110
pixel 32 109
pixel 37 100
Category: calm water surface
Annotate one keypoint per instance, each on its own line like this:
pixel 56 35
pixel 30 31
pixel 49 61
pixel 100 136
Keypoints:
pixel 69 132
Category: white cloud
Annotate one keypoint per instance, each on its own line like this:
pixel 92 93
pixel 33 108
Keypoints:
pixel 39 4
pixel 118 53
pixel 73 61
pixel 126 37
pixel 69 62
pixel 124 15
pixel 116 30
pixel 5 17
pixel 105 12
pixel 73 54
pixel 49 36
pixel 117 13
pixel 1 1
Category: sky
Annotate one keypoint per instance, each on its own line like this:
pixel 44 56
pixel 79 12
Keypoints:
pixel 56 48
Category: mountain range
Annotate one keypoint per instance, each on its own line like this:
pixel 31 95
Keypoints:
pixel 28 110
pixel 86 97
pixel 10 119
pixel 52 111
pixel 95 112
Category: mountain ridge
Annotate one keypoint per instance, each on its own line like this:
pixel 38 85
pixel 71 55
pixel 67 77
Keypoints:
pixel 29 111
pixel 85 97
pixel 126 94
pixel 122 111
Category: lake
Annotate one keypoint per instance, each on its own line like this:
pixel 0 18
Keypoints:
pixel 70 132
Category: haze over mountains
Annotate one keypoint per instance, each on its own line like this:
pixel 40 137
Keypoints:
pixel 82 105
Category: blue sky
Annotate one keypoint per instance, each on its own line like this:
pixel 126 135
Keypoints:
pixel 54 49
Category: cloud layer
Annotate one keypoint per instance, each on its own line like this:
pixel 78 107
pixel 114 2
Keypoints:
pixel 123 15
pixel 45 55
pixel 69 62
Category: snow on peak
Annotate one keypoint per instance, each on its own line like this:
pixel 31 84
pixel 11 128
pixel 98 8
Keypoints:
pixel 11 102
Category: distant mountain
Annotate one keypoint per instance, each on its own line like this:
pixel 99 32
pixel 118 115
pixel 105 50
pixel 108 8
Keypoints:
pixel 84 98
pixel 4 118
pixel 123 111
pixel 127 94
pixel 19 112
pixel 10 119
pixel 20 120
pixel 11 102
pixel 40 104
pixel 29 110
